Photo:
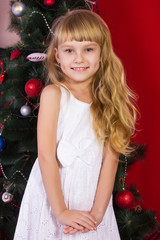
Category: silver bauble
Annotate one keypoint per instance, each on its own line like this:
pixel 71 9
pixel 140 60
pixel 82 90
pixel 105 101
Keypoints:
pixel 25 110
pixel 18 9
pixel 7 197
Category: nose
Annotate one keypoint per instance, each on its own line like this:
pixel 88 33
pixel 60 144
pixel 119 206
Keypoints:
pixel 79 57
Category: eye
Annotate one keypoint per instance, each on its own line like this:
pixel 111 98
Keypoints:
pixel 89 49
pixel 68 50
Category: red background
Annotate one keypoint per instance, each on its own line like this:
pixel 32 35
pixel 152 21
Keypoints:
pixel 134 27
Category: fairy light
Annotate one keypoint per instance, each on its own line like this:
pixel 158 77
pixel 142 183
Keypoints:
pixel 125 173
pixel 17 171
pixel 44 20
pixel 4 175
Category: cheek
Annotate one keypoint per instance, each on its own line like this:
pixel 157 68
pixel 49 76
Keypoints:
pixel 96 65
pixel 64 66
pixel 97 61
pixel 63 62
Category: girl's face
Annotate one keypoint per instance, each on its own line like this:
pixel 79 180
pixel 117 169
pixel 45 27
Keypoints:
pixel 79 61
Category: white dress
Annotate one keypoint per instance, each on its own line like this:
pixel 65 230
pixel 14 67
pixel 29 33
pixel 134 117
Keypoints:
pixel 79 157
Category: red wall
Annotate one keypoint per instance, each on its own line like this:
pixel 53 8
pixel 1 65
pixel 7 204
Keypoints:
pixel 135 30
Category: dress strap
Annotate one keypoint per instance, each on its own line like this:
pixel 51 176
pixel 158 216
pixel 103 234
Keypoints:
pixel 65 96
pixel 64 106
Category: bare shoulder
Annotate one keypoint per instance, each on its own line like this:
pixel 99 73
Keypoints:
pixel 51 91
pixel 50 99
pixel 49 106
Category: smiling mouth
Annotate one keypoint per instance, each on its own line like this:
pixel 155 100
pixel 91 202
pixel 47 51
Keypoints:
pixel 79 68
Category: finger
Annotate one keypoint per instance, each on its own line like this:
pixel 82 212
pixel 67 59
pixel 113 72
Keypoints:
pixel 91 217
pixel 66 226
pixel 67 230
pixel 85 230
pixel 85 224
pixel 73 231
pixel 77 226
pixel 87 220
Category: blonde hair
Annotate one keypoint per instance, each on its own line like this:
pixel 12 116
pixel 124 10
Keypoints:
pixel 113 111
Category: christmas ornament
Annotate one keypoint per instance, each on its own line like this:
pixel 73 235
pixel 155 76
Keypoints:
pixel 138 209
pixel 33 88
pixel 2 77
pixel 124 199
pixel 15 54
pixel 36 57
pixel 7 197
pixel 1 64
pixel 18 9
pixel 49 3
pixel 25 110
pixel 2 143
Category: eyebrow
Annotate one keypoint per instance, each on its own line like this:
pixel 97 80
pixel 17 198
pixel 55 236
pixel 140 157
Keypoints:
pixel 86 45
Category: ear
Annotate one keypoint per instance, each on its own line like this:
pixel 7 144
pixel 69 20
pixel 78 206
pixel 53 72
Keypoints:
pixel 56 55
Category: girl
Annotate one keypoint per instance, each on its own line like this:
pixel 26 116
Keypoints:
pixel 86 119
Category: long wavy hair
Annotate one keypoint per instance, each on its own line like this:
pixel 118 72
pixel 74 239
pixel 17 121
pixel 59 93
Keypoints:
pixel 113 107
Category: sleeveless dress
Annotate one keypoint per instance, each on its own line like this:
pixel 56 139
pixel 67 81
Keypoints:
pixel 79 157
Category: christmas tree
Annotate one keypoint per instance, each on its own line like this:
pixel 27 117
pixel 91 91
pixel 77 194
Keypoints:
pixel 21 82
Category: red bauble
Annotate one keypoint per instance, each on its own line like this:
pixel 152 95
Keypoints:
pixel 49 3
pixel 15 54
pixel 33 88
pixel 2 77
pixel 124 199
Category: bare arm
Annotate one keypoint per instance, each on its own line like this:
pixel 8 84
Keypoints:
pixel 105 183
pixel 46 130
pixel 47 134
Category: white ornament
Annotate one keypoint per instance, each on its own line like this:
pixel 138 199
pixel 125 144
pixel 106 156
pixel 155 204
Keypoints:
pixel 18 9
pixel 25 110
pixel 36 57
pixel 7 197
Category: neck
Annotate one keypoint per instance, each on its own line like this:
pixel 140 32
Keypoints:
pixel 80 90
pixel 81 87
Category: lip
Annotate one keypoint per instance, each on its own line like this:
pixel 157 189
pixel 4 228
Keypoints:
pixel 79 69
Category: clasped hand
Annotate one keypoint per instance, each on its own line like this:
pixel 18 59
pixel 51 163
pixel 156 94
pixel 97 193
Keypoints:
pixel 76 220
